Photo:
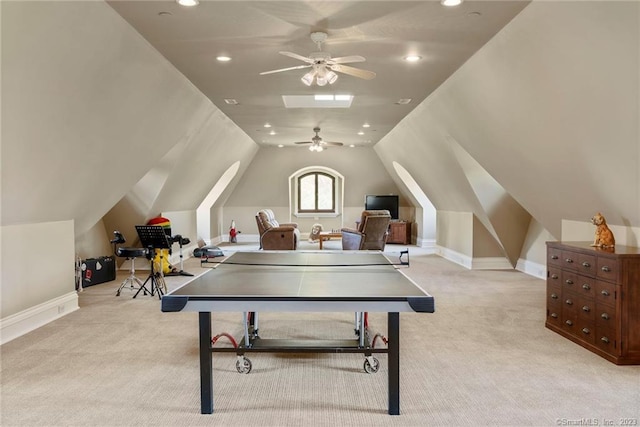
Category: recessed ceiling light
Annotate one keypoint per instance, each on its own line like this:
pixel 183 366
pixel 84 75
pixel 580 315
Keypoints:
pixel 280 145
pixel 223 58
pixel 450 2
pixel 412 58
pixel 366 125
pixel 267 125
pixel 273 132
pixel 164 13
pixel 352 145
pixel 187 2
pixel 231 101
pixel 360 133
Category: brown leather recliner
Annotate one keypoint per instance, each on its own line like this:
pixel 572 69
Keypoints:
pixel 371 234
pixel 276 236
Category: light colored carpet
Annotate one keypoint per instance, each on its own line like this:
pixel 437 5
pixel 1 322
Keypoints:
pixel 484 358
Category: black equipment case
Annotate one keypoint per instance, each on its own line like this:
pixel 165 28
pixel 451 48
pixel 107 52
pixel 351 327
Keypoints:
pixel 98 270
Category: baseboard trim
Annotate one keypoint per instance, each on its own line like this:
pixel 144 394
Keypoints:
pixel 21 323
pixel 484 263
pixel 491 263
pixel 453 256
pixel 429 244
pixel 532 268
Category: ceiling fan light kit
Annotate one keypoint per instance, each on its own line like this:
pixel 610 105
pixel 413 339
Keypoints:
pixel 323 67
pixel 317 143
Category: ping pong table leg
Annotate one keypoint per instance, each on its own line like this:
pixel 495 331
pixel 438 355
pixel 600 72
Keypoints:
pixel 206 364
pixel 393 326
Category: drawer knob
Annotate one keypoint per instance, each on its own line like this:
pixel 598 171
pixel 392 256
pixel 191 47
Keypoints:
pixel 569 322
pixel 605 269
pixel 586 264
pixel 569 302
pixel 605 292
pixel 554 315
pixel 554 296
pixel 586 309
pixel 605 340
pixel 586 286
pixel 569 282
pixel 554 276
pixel 586 331
pixel 605 316
pixel 554 256
pixel 569 261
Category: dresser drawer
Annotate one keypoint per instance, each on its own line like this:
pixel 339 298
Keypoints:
pixel 569 280
pixel 554 316
pixel 605 316
pixel 606 293
pixel 605 339
pixel 553 295
pixel 554 276
pixel 554 256
pixel 570 260
pixel 586 309
pixel 586 264
pixel 607 268
pixel 586 331
pixel 586 285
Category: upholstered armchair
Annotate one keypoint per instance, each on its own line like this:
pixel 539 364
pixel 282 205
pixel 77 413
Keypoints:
pixel 276 236
pixel 371 233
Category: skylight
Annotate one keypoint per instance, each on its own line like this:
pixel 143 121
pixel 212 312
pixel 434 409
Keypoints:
pixel 317 101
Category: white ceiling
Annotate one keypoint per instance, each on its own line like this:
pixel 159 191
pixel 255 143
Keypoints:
pixel 253 32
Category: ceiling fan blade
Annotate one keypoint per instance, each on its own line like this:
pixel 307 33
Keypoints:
pixel 298 67
pixel 346 59
pixel 298 57
pixel 303 142
pixel 356 72
pixel 335 144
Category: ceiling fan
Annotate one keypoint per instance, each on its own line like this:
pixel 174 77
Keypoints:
pixel 323 67
pixel 317 143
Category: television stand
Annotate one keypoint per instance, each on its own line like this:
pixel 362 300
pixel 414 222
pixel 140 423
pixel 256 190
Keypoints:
pixel 399 232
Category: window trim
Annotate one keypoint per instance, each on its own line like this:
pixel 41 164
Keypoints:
pixel 338 192
pixel 316 174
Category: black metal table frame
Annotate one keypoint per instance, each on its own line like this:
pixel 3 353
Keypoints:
pixel 393 359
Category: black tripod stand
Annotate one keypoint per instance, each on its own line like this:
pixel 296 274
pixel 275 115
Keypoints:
pixel 153 237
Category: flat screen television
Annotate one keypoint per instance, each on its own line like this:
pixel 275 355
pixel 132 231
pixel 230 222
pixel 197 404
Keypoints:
pixel 388 202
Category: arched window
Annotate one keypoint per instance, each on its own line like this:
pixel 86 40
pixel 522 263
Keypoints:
pixel 316 193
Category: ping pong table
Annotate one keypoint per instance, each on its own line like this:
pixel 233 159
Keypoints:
pixel 299 281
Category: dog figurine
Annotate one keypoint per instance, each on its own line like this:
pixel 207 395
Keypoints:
pixel 315 232
pixel 604 236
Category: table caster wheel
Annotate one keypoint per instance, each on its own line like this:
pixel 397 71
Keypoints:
pixel 243 365
pixel 371 367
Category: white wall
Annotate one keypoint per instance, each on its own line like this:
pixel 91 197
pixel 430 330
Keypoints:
pixel 549 109
pixel 38 279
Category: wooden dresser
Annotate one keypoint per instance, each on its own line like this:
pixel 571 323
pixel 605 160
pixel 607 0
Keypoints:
pixel 593 298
